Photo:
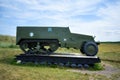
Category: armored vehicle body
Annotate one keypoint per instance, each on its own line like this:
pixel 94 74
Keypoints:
pixel 35 40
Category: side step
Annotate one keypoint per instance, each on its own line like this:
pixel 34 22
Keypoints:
pixel 56 58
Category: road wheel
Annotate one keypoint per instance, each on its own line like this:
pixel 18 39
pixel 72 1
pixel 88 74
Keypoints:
pixel 24 46
pixel 90 48
pixel 53 47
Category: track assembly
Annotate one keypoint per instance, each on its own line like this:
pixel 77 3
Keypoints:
pixel 59 59
pixel 39 46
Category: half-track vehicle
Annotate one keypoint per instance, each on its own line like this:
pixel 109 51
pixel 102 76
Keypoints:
pixel 36 40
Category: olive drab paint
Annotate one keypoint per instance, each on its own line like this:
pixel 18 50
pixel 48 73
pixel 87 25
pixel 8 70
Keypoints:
pixel 62 34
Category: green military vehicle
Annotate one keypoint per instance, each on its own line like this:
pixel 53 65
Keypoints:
pixel 36 40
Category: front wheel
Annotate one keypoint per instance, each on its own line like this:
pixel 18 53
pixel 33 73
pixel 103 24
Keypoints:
pixel 90 48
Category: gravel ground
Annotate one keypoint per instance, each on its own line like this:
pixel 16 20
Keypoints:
pixel 108 71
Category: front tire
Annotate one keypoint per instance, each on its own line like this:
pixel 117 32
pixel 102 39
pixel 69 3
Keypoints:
pixel 90 48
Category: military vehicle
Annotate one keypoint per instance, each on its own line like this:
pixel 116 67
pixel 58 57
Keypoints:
pixel 36 40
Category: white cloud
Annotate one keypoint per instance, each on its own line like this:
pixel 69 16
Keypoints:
pixel 67 13
pixel 111 14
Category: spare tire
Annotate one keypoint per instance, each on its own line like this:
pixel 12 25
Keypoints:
pixel 90 48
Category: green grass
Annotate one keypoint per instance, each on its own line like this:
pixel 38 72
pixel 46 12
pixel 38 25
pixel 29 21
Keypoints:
pixel 96 67
pixel 7 42
pixel 110 53
pixel 8 45
pixel 5 38
pixel 9 70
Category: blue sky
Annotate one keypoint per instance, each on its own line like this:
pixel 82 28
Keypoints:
pixel 100 18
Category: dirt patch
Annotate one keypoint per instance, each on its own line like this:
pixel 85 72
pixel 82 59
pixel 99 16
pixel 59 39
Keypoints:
pixel 108 71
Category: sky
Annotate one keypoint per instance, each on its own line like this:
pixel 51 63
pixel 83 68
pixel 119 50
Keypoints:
pixel 100 18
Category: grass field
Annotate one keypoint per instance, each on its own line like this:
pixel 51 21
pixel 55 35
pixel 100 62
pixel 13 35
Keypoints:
pixel 108 52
